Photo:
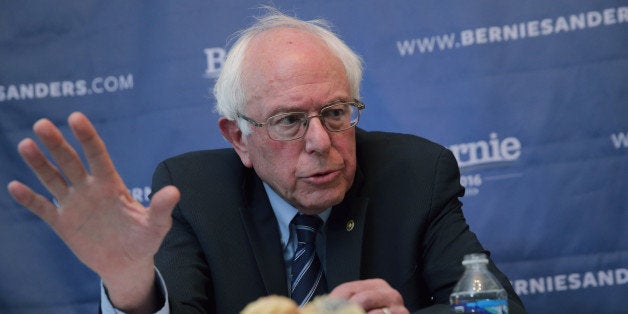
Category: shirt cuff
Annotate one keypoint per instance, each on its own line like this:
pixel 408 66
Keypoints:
pixel 107 307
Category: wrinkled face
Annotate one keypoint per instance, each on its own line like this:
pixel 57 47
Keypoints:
pixel 291 70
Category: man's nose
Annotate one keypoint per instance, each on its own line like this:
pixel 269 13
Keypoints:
pixel 317 138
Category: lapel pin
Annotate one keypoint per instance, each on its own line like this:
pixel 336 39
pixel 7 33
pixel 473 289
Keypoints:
pixel 350 225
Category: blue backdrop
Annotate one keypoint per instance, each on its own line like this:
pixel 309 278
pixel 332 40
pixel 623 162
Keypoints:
pixel 531 96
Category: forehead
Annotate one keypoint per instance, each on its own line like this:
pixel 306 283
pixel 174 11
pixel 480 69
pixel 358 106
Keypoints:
pixel 291 67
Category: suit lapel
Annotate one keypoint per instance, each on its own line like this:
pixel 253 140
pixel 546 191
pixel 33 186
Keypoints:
pixel 344 234
pixel 263 235
pixel 345 229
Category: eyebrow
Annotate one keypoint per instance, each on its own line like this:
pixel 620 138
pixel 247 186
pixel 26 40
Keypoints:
pixel 291 109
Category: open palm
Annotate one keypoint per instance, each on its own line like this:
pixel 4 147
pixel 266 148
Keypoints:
pixel 107 229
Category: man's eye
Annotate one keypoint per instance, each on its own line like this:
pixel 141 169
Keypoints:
pixel 334 113
pixel 288 120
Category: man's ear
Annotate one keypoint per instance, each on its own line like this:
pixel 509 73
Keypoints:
pixel 233 134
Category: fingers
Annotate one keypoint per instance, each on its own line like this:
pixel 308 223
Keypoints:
pixel 161 206
pixel 390 310
pixel 36 203
pixel 93 146
pixel 69 164
pixel 66 157
pixel 47 173
pixel 373 295
pixel 349 289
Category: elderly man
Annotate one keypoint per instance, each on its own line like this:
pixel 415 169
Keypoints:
pixel 380 211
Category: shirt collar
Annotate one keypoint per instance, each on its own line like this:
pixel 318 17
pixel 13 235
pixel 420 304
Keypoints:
pixel 284 212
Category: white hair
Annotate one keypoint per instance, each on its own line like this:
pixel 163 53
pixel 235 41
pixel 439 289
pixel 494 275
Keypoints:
pixel 229 88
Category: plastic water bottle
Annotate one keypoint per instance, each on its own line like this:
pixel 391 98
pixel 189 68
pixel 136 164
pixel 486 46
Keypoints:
pixel 478 291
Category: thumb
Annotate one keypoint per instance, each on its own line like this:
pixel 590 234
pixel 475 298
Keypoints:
pixel 161 205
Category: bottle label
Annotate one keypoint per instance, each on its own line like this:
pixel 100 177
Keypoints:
pixel 482 306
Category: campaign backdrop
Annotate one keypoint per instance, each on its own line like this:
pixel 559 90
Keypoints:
pixel 530 96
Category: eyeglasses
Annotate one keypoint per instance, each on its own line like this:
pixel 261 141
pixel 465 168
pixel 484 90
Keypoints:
pixel 337 116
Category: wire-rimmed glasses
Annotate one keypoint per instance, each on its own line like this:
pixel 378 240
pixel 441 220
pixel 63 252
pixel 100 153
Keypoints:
pixel 337 116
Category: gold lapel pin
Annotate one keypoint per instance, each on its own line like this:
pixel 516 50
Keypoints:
pixel 350 225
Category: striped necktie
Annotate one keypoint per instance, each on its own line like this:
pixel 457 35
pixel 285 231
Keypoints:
pixel 308 279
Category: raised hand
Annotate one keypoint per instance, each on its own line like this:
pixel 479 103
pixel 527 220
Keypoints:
pixel 97 218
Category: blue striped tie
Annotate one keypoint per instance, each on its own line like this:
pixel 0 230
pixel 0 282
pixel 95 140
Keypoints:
pixel 308 279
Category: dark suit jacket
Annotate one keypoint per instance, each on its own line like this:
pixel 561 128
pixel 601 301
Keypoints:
pixel 224 250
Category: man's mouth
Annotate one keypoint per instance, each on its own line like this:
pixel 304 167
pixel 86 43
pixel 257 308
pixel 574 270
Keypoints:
pixel 322 177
